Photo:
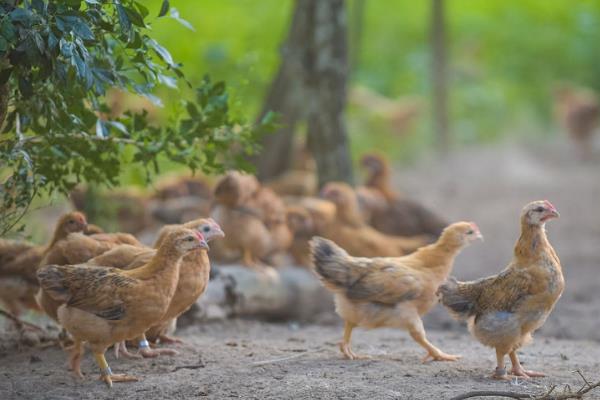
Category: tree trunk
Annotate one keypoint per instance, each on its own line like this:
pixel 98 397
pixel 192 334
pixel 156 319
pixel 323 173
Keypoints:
pixel 439 73
pixel 311 84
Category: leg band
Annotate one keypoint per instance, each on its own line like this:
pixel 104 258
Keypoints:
pixel 143 344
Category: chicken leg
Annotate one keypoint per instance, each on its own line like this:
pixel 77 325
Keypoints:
pixel 518 370
pixel 417 332
pixel 106 374
pixel 75 358
pixel 500 372
pixel 345 347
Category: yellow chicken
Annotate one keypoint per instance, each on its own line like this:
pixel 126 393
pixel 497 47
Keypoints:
pixel 505 309
pixel 392 291
pixel 103 306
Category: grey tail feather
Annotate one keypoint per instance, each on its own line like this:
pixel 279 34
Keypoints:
pixel 330 261
pixel 459 305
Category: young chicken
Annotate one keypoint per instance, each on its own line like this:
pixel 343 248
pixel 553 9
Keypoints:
pixel 103 306
pixel 193 279
pixel 353 234
pixel 390 292
pixel 504 310
pixel 19 262
pixel 389 212
pixel 253 219
pixel 77 248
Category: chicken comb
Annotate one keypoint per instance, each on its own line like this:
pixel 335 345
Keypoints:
pixel 549 205
pixel 474 226
pixel 199 236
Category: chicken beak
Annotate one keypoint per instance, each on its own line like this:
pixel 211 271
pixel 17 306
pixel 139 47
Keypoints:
pixel 203 245
pixel 479 236
pixel 218 231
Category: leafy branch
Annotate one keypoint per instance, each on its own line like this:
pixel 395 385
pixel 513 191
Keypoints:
pixel 57 61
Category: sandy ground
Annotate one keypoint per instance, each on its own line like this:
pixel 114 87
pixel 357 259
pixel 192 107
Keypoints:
pixel 252 360
pixel 489 186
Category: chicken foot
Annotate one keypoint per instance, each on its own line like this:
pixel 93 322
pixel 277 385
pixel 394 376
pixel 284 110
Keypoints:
pixel 106 374
pixel 345 347
pixel 417 332
pixel 75 358
pixel 517 368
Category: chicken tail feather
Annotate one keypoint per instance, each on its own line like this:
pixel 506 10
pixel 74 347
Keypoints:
pixel 331 262
pixel 454 295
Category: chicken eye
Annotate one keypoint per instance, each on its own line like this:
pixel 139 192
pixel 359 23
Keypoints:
pixel 71 222
pixel 539 209
pixel 189 239
pixel 206 229
pixel 470 232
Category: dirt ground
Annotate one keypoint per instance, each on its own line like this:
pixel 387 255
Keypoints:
pixel 252 360
pixel 258 360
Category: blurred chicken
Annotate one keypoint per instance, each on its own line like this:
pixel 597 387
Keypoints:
pixel 350 231
pixel 103 306
pixel 19 263
pixel 193 278
pixel 390 292
pixel 253 219
pixel 504 310
pixel 578 112
pixel 398 114
pixel 301 178
pixel 389 212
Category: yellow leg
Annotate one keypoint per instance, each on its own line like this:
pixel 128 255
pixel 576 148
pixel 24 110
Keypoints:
pixel 517 368
pixel 417 332
pixel 106 374
pixel 345 347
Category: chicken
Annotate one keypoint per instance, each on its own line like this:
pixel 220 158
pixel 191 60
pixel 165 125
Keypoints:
pixel 387 210
pixel 504 310
pixel 578 112
pixel 253 219
pixel 103 306
pixel 193 278
pixel 390 292
pixel 350 231
pixel 19 262
pixel 78 248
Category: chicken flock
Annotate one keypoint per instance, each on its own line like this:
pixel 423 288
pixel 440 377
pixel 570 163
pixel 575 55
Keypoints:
pixel 386 259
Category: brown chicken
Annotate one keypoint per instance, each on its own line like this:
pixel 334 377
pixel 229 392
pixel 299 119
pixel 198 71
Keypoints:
pixel 253 219
pixel 578 112
pixel 103 306
pixel 77 248
pixel 193 279
pixel 387 210
pixel 19 262
pixel 390 292
pixel 504 310
pixel 360 240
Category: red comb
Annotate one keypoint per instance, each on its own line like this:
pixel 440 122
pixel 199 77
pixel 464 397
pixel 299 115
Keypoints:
pixel 199 236
pixel 474 226
pixel 549 205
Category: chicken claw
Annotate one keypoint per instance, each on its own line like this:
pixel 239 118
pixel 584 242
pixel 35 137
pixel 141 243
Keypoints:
pixel 165 339
pixel 148 352
pixel 520 372
pixel 350 355
pixel 110 378
pixel 501 375
pixel 440 356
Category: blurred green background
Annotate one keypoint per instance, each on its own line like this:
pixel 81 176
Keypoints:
pixel 505 58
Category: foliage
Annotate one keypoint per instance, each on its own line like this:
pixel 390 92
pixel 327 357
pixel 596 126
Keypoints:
pixel 57 60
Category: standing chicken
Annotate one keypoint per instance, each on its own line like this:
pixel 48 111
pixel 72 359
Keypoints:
pixel 504 310
pixel 390 292
pixel 103 306
pixel 193 279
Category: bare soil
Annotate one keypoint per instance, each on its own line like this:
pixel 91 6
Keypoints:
pixel 259 360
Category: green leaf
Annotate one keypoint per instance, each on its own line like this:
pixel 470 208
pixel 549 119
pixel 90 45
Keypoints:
pixel 164 8
pixel 135 17
pixel 161 51
pixel 176 17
